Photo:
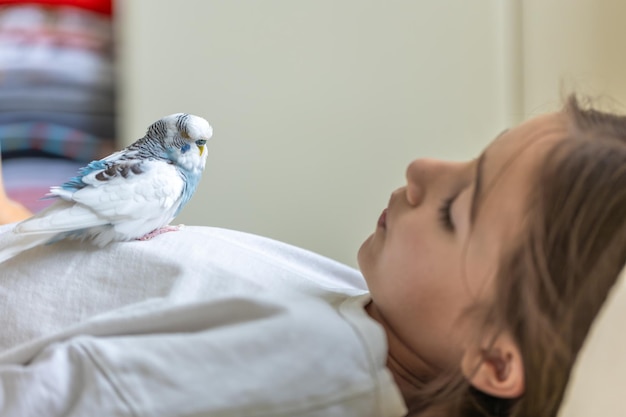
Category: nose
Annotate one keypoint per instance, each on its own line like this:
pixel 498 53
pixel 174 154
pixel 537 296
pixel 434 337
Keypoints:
pixel 422 175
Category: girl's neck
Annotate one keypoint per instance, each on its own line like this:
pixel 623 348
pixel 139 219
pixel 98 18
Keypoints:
pixel 410 372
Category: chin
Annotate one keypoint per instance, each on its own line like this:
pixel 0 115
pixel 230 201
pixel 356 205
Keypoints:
pixel 364 255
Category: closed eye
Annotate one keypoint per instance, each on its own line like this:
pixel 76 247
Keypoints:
pixel 445 213
pixel 201 142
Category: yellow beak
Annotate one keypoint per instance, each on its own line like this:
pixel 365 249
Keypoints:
pixel 201 149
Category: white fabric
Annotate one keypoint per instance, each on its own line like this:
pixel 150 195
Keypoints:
pixel 199 322
pixel 598 381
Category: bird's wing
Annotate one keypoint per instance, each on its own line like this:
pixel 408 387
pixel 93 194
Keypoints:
pixel 131 189
pixel 123 191
pixel 76 183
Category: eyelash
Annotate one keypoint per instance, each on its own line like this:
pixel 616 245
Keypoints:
pixel 445 215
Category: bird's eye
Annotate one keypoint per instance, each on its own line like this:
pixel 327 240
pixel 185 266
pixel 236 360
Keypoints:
pixel 201 142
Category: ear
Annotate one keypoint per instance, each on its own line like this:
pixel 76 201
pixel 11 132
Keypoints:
pixel 497 370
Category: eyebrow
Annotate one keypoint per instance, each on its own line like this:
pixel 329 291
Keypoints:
pixel 478 183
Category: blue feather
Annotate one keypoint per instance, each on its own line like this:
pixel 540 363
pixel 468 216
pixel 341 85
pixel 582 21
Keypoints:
pixel 76 183
pixel 190 182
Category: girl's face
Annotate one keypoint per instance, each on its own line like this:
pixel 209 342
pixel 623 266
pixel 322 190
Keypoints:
pixel 437 245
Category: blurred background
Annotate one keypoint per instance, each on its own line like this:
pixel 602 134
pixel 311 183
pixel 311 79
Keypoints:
pixel 317 106
pixel 57 95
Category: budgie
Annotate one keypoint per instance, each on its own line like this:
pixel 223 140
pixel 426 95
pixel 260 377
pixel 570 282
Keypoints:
pixel 132 194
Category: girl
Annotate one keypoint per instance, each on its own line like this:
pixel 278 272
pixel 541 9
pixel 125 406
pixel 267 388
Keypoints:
pixel 486 312
pixel 481 281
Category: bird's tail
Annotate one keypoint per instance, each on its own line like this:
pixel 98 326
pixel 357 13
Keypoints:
pixel 12 244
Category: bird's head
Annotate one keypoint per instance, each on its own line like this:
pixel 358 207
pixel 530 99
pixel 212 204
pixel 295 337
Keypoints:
pixel 184 137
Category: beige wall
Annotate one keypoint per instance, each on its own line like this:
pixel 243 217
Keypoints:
pixel 318 106
pixel 573 45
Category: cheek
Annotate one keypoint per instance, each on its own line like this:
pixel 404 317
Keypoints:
pixel 397 265
pixel 414 271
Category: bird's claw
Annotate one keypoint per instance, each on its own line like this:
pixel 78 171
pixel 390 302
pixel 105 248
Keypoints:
pixel 160 231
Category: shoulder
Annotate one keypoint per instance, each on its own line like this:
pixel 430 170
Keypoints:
pixel 262 253
pixel 193 251
pixel 188 266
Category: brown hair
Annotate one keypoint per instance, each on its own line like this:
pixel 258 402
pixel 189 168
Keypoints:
pixel 551 285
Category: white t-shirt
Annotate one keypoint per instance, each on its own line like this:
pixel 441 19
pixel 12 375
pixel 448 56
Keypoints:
pixel 201 322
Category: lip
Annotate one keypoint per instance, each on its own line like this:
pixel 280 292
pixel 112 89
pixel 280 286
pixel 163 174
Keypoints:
pixel 382 220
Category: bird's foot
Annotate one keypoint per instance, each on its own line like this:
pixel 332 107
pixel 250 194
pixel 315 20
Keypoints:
pixel 160 231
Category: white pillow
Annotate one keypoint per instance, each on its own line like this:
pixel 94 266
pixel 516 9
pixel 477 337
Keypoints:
pixel 598 383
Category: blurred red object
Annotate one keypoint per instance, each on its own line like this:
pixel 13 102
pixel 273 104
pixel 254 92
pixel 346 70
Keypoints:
pixel 99 6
